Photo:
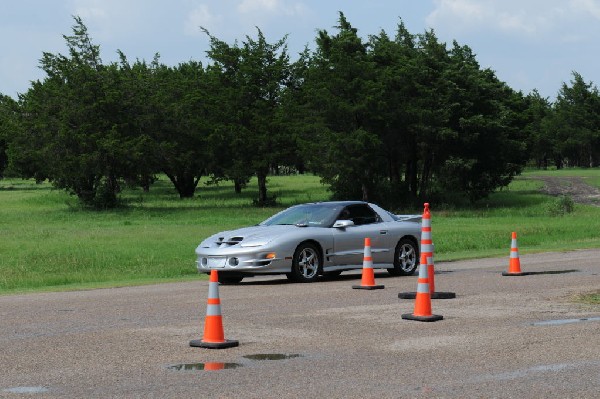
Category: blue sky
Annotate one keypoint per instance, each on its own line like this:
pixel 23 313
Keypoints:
pixel 531 44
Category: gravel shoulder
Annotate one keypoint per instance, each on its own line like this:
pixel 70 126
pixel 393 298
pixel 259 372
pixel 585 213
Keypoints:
pixel 120 342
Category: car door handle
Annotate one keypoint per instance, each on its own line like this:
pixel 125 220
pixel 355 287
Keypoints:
pixel 383 232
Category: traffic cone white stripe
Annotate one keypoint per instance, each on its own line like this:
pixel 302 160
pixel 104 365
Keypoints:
pixel 213 310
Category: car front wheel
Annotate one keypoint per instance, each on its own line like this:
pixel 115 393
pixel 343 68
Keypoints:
pixel 307 263
pixel 406 258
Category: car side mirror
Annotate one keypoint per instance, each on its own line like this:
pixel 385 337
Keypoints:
pixel 342 224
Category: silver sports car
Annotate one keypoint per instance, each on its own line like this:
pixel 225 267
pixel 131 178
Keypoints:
pixel 308 240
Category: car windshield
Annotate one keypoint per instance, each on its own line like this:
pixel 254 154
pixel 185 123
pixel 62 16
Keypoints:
pixel 314 215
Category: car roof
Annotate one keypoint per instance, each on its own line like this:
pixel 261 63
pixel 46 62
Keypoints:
pixel 335 203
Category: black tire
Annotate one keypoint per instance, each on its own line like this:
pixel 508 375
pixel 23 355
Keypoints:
pixel 406 258
pixel 227 279
pixel 307 263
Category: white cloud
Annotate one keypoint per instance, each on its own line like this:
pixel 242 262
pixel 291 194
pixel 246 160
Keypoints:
pixel 201 16
pixel 92 13
pixel 463 9
pixel 109 19
pixel 249 6
pixel 532 18
pixel 271 7
pixel 591 7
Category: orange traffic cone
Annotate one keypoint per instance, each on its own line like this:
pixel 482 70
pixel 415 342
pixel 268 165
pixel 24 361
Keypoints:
pixel 214 337
pixel 426 242
pixel 514 265
pixel 422 310
pixel 426 247
pixel 368 276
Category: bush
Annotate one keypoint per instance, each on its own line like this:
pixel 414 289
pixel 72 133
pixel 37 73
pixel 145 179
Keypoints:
pixel 560 206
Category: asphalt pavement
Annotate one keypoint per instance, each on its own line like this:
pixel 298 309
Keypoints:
pixel 501 337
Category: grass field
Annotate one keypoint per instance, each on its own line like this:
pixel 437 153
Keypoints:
pixel 48 242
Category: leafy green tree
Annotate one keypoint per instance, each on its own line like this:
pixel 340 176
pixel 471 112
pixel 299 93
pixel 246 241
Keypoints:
pixel 300 123
pixel 138 115
pixel 395 116
pixel 230 157
pixel 487 148
pixel 182 124
pixel 576 123
pixel 409 118
pixel 75 130
pixel 8 128
pixel 539 143
pixel 341 83
pixel 255 75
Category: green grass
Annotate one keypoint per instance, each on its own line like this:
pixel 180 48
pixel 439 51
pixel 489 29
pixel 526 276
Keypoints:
pixel 48 242
pixel 592 298
pixel 485 230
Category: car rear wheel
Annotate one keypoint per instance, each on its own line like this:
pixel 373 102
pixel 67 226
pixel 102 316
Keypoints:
pixel 406 258
pixel 307 263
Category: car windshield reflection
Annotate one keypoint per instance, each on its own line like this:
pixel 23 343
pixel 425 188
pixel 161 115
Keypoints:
pixel 308 215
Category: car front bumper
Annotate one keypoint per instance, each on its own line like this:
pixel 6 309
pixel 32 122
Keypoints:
pixel 258 260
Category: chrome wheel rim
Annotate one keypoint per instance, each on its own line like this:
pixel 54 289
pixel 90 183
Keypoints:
pixel 407 257
pixel 308 262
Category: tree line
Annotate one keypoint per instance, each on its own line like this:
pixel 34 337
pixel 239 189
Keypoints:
pixel 394 120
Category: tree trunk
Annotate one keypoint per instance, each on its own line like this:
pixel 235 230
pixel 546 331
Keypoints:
pixel 262 188
pixel 237 186
pixel 412 178
pixel 185 184
pixel 425 177
pixel 365 192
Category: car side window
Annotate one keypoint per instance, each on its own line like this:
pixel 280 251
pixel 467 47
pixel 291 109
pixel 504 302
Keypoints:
pixel 360 214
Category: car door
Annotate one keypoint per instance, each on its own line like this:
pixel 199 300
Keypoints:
pixel 349 242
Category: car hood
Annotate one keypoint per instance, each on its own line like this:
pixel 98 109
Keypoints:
pixel 254 236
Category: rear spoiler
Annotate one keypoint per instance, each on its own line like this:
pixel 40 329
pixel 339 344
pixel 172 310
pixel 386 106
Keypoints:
pixel 410 218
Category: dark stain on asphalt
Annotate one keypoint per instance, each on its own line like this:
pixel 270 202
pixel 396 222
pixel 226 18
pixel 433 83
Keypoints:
pixel 564 321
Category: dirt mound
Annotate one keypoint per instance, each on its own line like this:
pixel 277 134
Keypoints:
pixel 574 187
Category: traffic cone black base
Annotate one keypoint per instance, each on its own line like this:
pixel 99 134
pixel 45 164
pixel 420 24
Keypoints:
pixel 229 343
pixel 433 317
pixel 368 287
pixel 407 295
pixel 515 274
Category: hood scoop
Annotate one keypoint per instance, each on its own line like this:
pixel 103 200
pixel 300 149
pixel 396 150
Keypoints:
pixel 230 242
